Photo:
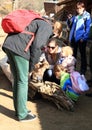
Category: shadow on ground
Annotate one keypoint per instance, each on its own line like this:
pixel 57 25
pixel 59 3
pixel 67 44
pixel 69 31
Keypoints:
pixel 49 117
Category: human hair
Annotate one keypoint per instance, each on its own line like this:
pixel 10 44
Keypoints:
pixel 54 39
pixel 59 68
pixel 80 3
pixel 57 28
pixel 67 50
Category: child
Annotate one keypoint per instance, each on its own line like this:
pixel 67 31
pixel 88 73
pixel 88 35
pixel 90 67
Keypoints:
pixel 79 33
pixel 57 29
pixel 66 58
pixel 65 52
pixel 65 82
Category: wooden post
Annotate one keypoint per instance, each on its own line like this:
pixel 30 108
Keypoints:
pixel 15 4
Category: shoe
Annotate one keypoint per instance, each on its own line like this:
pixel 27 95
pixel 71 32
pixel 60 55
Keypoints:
pixel 29 111
pixel 29 117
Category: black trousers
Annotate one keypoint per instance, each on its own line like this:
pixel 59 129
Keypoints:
pixel 90 59
pixel 51 78
pixel 82 49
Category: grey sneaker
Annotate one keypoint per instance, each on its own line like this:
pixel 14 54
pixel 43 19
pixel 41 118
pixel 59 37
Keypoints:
pixel 29 117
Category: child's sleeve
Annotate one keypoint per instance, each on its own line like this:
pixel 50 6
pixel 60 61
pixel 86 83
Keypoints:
pixel 64 81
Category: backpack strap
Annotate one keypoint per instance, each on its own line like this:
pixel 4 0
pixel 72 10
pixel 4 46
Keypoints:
pixel 31 40
pixel 33 35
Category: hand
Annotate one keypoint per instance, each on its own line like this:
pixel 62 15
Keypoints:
pixel 69 16
pixel 81 40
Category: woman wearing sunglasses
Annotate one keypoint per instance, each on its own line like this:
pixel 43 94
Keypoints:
pixel 51 56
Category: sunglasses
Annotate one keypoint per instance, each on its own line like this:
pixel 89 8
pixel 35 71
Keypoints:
pixel 51 47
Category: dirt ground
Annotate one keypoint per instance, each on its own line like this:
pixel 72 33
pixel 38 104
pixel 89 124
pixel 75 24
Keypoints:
pixel 48 116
